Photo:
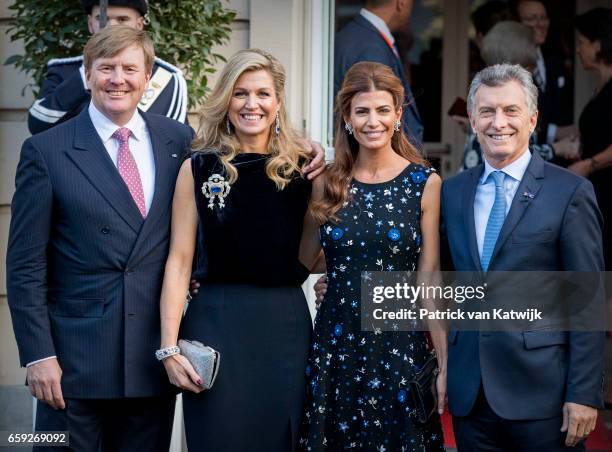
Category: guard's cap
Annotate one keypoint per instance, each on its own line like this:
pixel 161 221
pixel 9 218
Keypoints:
pixel 139 5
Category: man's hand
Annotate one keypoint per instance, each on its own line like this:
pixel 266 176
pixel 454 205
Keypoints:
pixel 568 148
pixel 566 131
pixel 44 382
pixel 320 289
pixel 578 422
pixel 317 164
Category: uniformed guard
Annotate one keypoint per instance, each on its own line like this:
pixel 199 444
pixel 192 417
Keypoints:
pixel 64 92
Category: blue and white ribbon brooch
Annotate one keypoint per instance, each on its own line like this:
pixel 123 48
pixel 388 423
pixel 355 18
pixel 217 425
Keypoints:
pixel 216 188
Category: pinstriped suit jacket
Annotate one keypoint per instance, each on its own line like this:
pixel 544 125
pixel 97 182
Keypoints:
pixel 84 270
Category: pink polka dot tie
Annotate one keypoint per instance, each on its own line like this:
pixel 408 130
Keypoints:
pixel 128 169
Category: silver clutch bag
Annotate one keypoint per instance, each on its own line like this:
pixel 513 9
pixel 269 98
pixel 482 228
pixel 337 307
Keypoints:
pixel 204 359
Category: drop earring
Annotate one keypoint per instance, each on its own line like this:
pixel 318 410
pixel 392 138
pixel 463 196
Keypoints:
pixel 277 125
pixel 228 126
pixel 397 125
pixel 348 127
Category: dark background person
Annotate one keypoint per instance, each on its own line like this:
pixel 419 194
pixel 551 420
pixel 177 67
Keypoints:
pixel 88 240
pixel 64 93
pixel 368 37
pixel 594 30
pixel 484 18
pixel 554 99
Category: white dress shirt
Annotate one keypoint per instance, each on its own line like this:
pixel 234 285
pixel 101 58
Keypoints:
pixel 485 192
pixel 140 147
pixel 380 25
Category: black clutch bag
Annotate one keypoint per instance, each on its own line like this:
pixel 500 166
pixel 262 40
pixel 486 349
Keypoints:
pixel 423 390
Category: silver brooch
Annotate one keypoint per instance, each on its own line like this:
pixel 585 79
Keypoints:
pixel 216 187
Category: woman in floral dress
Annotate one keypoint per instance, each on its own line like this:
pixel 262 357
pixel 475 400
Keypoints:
pixel 375 209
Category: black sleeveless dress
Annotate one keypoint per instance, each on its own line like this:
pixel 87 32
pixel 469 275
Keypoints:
pixel 596 135
pixel 357 392
pixel 251 309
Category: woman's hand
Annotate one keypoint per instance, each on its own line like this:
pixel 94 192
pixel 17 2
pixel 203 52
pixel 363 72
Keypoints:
pixel 320 289
pixel 441 388
pixel 583 168
pixel 182 374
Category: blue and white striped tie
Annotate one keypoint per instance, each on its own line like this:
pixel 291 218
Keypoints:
pixel 496 220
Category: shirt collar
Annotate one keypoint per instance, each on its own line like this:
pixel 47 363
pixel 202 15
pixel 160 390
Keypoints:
pixel 515 170
pixel 105 127
pixel 378 23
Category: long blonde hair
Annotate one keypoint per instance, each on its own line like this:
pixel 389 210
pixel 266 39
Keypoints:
pixel 286 149
pixel 361 78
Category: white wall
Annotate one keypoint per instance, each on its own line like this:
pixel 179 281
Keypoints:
pixel 277 26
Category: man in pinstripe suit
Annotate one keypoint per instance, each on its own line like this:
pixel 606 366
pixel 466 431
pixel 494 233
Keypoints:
pixel 87 248
pixel 64 93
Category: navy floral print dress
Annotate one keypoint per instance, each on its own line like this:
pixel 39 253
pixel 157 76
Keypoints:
pixel 356 380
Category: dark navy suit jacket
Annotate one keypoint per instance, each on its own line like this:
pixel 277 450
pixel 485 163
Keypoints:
pixel 530 374
pixel 553 102
pixel 84 270
pixel 359 41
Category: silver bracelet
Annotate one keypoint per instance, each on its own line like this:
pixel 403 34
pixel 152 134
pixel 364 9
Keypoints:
pixel 164 353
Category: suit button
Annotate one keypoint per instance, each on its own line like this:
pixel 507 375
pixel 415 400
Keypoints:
pixel 105 230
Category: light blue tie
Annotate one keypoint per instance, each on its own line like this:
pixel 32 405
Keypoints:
pixel 496 220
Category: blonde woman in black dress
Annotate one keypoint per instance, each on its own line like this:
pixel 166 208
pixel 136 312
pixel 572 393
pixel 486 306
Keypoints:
pixel 240 201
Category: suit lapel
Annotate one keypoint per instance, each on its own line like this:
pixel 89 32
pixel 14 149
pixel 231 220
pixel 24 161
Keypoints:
pixel 91 157
pixel 165 161
pixel 469 194
pixel 527 190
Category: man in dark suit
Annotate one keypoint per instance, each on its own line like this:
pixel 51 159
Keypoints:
pixel 87 248
pixel 368 38
pixel 64 93
pixel 554 100
pixel 530 390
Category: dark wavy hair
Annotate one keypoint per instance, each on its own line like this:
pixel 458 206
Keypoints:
pixel 596 25
pixel 362 77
